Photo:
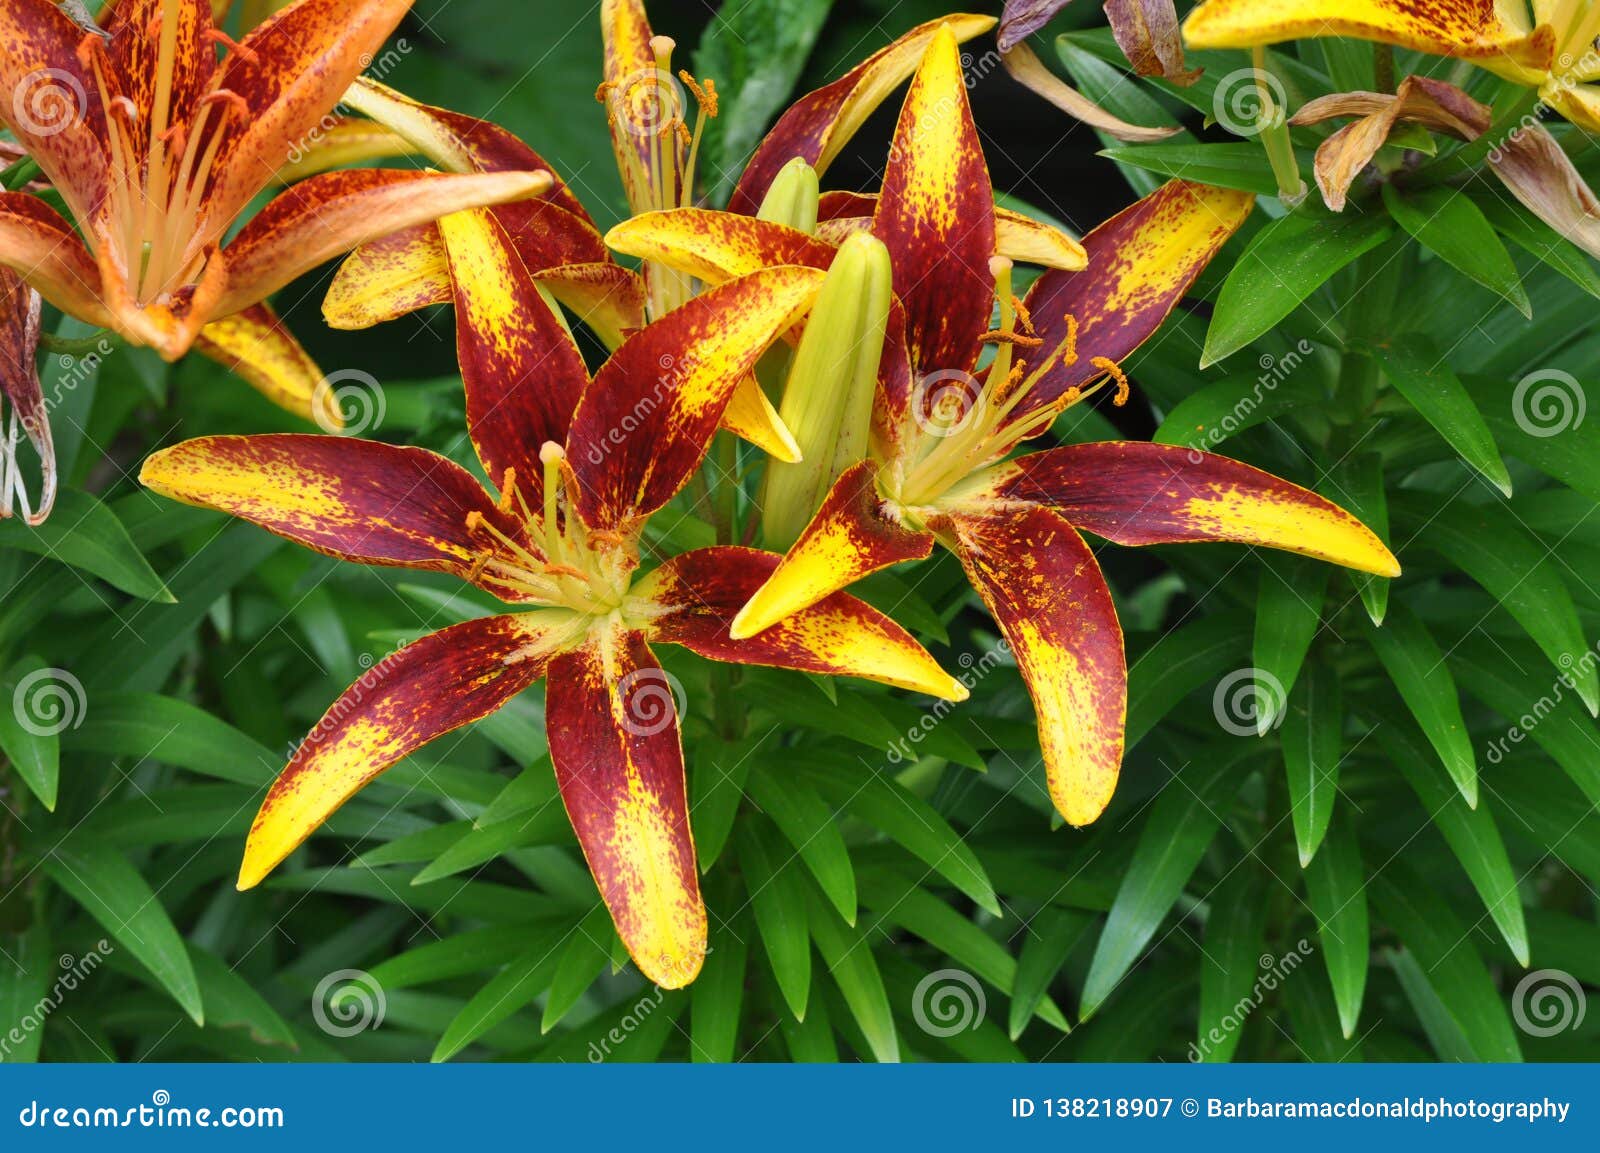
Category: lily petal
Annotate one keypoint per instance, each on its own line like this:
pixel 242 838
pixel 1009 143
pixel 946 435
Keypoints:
pixel 936 214
pixel 1542 176
pixel 605 296
pixel 1141 262
pixel 716 246
pixel 291 71
pixel 135 56
pixel 414 695
pixel 643 427
pixel 345 142
pixel 1486 31
pixel 818 125
pixel 326 215
pixel 524 375
pixel 698 594
pixel 612 721
pixel 359 500
pixel 1045 590
pixel 1136 493
pixel 20 310
pixel 1028 70
pixel 1016 236
pixel 1579 103
pixel 43 249
pixel 750 416
pixel 852 536
pixel 1147 33
pixel 256 345
pixel 388 278
pixel 50 103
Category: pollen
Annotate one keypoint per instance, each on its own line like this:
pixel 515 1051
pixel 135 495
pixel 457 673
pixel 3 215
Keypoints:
pixel 1069 346
pixel 1022 315
pixel 1109 367
pixel 1003 336
pixel 217 36
pixel 508 490
pixel 705 94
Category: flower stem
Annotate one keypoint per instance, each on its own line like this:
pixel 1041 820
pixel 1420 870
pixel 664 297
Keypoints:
pixel 101 341
pixel 1274 125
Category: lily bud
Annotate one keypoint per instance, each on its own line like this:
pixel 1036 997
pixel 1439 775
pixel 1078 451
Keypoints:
pixel 792 197
pixel 827 401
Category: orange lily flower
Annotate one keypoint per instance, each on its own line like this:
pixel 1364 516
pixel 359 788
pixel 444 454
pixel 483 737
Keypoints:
pixel 582 465
pixel 1551 49
pixel 936 471
pixel 157 147
pixel 20 309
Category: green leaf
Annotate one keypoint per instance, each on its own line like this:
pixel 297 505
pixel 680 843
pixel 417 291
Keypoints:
pixel 36 705
pixel 507 992
pixel 113 893
pixel 1414 663
pixel 1288 610
pixel 777 894
pixel 1283 265
pixel 1051 935
pixel 1177 664
pixel 233 1003
pixel 910 822
pixel 1240 401
pixel 86 534
pixel 1349 63
pixel 1336 890
pixel 1471 833
pixel 1312 747
pixel 717 997
pixel 1447 223
pixel 1233 165
pixel 456 955
pixel 1417 370
pixel 1539 240
pixel 850 962
pixel 1231 962
pixel 582 959
pixel 1108 86
pixel 1356 483
pixel 25 968
pixel 1518 573
pixel 1182 821
pixel 1315 1020
pixel 717 776
pixel 172 732
pixel 809 825
pixel 1540 421
pixel 1449 963
pixel 755 50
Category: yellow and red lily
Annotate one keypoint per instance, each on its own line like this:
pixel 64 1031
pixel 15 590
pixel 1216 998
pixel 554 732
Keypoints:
pixel 580 466
pixel 20 309
pixel 157 147
pixel 936 471
pixel 1551 48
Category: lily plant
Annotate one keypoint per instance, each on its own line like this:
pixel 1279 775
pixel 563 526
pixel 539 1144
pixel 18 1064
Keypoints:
pixel 157 147
pixel 943 420
pixel 580 465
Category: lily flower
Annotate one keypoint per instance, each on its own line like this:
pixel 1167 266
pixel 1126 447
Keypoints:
pixel 581 465
pixel 935 469
pixel 20 309
pixel 1552 48
pixel 157 147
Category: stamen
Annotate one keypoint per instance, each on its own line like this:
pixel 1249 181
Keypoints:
pixel 684 136
pixel 551 456
pixel 508 490
pixel 1109 367
pixel 217 36
pixel 1022 315
pixel 1069 346
pixel 1002 336
pixel 603 93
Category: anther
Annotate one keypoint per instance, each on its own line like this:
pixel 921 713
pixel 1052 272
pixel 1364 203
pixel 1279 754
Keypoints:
pixel 229 97
pixel 603 93
pixel 1022 314
pixel 1109 367
pixel 1069 346
pixel 128 109
pixel 217 36
pixel 1002 336
pixel 89 47
pixel 508 489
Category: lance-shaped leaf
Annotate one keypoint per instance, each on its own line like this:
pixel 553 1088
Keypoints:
pixel 852 535
pixel 819 124
pixel 523 374
pixel 358 500
pixel 257 346
pixel 1045 590
pixel 20 310
pixel 692 599
pixel 613 728
pixel 416 694
pixel 37 244
pixel 1478 30
pixel 936 214
pixel 319 218
pixel 642 429
pixel 1141 262
pixel 1139 494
